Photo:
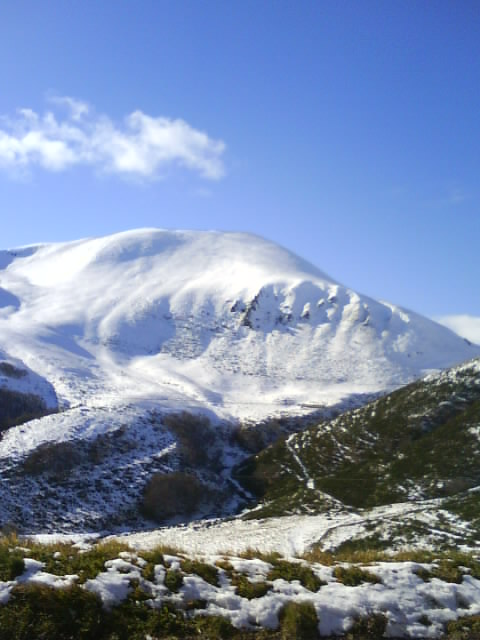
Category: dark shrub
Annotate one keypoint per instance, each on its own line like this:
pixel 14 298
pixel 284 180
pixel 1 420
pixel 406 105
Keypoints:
pixel 353 576
pixel 52 457
pixel 17 408
pixel 11 371
pixel 195 436
pixel 172 494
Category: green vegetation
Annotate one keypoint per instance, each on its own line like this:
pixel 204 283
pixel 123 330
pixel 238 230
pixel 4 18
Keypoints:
pixel 214 627
pixel 467 506
pixel 245 588
pixel 355 547
pixel 173 580
pixel 39 612
pixel 418 442
pixel 449 565
pixel 295 571
pixel 353 576
pixel 152 558
pixel 298 620
pixel 12 563
pixel 208 572
pixel 464 629
pixel 369 628
pixel 63 559
pixel 451 568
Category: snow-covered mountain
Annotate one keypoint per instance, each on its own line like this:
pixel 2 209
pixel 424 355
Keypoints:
pixel 225 322
pixel 120 333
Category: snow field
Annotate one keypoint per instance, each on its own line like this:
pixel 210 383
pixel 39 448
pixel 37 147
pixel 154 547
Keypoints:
pixel 401 595
pixel 226 322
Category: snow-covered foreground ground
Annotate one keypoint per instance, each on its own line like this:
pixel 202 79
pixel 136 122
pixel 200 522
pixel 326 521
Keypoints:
pixel 289 535
pixel 415 603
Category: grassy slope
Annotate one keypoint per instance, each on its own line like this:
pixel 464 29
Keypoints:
pixel 416 443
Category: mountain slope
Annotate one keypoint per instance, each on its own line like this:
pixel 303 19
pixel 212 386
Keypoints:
pixel 24 395
pixel 419 443
pixel 153 345
pixel 223 321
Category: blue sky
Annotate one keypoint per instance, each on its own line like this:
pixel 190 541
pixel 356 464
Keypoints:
pixel 346 131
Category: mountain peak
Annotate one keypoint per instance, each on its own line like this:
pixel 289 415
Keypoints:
pixel 229 322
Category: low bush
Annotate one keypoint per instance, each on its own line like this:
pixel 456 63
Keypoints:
pixel 37 611
pixel 9 370
pixel 353 576
pixel 208 572
pixel 295 571
pixel 172 494
pixel 369 628
pixel 17 408
pixel 255 554
pixel 214 627
pixel 245 588
pixel 443 570
pixel 12 564
pixel 173 580
pixel 255 438
pixel 298 620
pixel 64 559
pixel 195 437
pixel 464 629
pixel 422 573
pixel 57 458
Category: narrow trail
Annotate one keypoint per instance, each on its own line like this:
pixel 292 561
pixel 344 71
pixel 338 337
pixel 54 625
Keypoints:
pixel 309 481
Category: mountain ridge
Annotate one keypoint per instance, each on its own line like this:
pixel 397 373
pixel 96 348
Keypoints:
pixel 227 322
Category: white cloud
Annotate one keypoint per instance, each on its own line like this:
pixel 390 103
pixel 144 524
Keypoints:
pixel 77 108
pixel 143 146
pixel 466 326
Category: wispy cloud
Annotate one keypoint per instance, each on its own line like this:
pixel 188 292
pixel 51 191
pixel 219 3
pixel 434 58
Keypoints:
pixel 466 326
pixel 457 195
pixel 71 133
pixel 452 196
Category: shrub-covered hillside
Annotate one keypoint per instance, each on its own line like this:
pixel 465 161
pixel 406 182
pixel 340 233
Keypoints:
pixel 420 442
pixel 23 394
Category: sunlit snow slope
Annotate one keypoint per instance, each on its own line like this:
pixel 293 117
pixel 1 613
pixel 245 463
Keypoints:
pixel 224 321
